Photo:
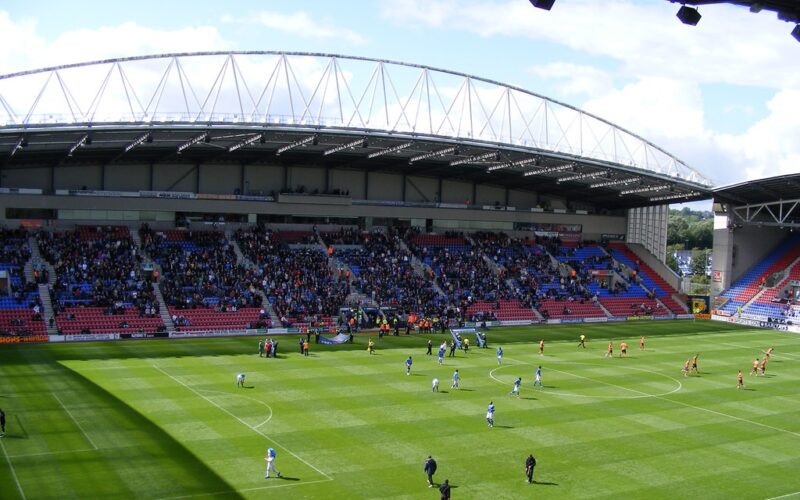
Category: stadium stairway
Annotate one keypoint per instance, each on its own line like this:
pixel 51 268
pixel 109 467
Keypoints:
pixel 163 311
pixel 242 259
pixel 47 308
pixel 36 258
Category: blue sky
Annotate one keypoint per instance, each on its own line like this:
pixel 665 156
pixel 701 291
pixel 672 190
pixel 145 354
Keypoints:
pixel 723 96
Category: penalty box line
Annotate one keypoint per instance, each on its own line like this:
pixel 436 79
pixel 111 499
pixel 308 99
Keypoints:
pixel 252 428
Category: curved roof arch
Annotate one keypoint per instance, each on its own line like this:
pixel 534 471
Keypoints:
pixel 327 92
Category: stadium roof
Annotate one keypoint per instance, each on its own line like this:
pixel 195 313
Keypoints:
pixel 331 111
pixel 767 190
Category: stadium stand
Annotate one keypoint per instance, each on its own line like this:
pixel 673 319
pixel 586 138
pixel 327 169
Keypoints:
pixel 99 286
pixel 20 307
pixel 746 287
pixel 203 285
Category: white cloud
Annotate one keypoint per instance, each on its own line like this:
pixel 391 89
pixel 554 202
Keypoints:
pixel 300 24
pixel 22 47
pixel 731 45
pixel 576 79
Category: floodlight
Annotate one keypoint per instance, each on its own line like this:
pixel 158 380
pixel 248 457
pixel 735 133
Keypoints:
pixel 296 144
pixel 358 142
pixel 543 4
pixel 191 142
pixel 688 15
pixel 393 149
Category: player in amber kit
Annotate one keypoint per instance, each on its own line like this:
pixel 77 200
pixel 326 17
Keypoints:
pixel 694 364
pixel 610 353
pixel 541 347
pixel 641 343
pixel 754 371
pixel 763 365
pixel 740 380
pixel 685 370
pixel 623 349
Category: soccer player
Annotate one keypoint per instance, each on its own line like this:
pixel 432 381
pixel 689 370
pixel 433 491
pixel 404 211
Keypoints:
pixel 530 463
pixel 456 378
pixel 465 345
pixel 641 343
pixel 430 347
pixel 408 366
pixel 739 380
pixel 515 389
pixel 435 385
pixel 610 352
pixel 371 346
pixel 442 349
pixel 305 348
pixel 764 365
pixel 2 423
pixel 490 414
pixel 769 352
pixel 260 348
pixel 755 368
pixel 240 380
pixel 541 347
pixel 270 458
pixel 499 355
pixel 685 369
pixel 582 342
pixel 537 379
pixel 623 349
pixel 694 364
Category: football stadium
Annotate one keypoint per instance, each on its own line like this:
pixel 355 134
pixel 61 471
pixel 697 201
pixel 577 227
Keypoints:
pixel 325 225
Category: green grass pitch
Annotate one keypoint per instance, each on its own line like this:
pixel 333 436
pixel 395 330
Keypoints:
pixel 164 419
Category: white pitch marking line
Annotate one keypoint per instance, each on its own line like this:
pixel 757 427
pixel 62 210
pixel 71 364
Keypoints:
pixel 13 472
pixel 76 422
pixel 251 399
pixel 242 421
pixel 734 417
pixel 785 496
pixel 641 395
pixel 45 453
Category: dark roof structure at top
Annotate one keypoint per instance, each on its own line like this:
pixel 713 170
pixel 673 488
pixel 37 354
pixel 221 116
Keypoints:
pixel 773 201
pixel 769 189
pixel 334 111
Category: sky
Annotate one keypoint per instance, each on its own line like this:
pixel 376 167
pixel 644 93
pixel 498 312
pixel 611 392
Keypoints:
pixel 723 96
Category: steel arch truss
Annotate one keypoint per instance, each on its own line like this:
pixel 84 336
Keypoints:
pixel 323 91
pixel 781 213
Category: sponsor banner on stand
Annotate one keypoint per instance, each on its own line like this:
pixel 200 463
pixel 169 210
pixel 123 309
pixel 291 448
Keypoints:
pixel 616 319
pixel 690 316
pixel 639 318
pixel 168 194
pixel 511 322
pixel 91 336
pixel 661 317
pixel 571 320
pixel 555 321
pixel 595 320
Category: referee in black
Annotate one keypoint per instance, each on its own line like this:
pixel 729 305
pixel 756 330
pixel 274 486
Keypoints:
pixel 530 463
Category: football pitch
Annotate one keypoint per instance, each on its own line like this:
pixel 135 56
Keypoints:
pixel 164 419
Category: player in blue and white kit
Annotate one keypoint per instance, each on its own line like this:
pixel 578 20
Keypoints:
pixel 538 379
pixel 515 390
pixel 408 366
pixel 270 458
pixel 441 354
pixel 454 385
pixel 499 355
pixel 240 380
pixel 490 414
pixel 435 385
